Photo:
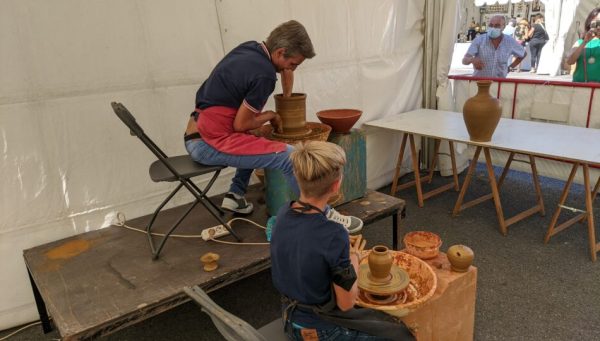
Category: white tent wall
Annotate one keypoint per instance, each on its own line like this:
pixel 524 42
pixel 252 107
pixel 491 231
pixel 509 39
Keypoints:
pixel 69 164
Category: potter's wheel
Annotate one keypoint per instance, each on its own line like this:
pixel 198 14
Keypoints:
pixel 314 131
pixel 397 282
pixel 302 133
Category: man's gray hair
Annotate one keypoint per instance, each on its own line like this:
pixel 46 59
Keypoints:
pixel 292 36
pixel 499 16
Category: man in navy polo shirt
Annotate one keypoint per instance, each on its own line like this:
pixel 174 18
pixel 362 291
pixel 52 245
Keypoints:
pixel 229 104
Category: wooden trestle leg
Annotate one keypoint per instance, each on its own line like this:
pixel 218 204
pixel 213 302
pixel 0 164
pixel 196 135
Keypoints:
pixel 588 214
pixel 495 187
pixel 421 197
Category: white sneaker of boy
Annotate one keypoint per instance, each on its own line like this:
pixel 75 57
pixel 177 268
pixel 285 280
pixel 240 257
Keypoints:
pixel 351 223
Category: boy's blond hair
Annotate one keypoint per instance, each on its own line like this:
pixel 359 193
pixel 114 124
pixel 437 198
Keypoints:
pixel 317 165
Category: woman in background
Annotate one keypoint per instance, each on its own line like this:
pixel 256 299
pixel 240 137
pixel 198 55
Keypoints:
pixel 521 33
pixel 538 38
pixel 586 51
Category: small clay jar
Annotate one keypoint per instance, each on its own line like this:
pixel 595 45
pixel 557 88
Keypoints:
pixel 460 257
pixel 380 264
pixel 209 260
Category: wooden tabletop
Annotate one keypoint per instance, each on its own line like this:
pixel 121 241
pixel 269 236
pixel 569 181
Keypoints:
pixel 104 280
pixel 526 137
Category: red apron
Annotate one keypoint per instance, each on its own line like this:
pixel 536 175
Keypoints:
pixel 215 125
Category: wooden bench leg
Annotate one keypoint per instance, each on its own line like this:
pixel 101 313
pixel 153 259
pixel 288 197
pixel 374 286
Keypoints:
pixel 553 229
pixel 465 186
pixel 415 162
pixel 436 151
pixel 41 306
pixel 590 212
pixel 495 191
pixel 453 160
pixel 417 182
pixel 399 165
pixel 536 184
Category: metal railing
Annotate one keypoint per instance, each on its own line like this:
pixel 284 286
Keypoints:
pixel 517 81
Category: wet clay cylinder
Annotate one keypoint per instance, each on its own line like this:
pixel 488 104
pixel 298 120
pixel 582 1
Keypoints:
pixel 293 113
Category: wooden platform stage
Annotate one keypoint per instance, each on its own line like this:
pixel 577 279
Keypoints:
pixel 98 282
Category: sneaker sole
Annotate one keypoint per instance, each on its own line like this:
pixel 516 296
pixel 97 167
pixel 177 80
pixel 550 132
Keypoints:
pixel 354 230
pixel 247 211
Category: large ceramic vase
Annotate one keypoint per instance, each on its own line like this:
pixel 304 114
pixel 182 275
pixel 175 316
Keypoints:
pixel 380 264
pixel 293 114
pixel 482 113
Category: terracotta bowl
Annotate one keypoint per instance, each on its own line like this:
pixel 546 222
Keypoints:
pixel 422 285
pixel 423 244
pixel 340 120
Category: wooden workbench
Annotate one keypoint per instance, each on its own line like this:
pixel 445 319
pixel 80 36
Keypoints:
pixel 98 282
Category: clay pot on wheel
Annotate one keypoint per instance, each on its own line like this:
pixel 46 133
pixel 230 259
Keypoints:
pixel 460 257
pixel 380 264
pixel 482 113
pixel 293 113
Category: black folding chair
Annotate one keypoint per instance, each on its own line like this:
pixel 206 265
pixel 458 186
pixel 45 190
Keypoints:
pixel 231 327
pixel 178 168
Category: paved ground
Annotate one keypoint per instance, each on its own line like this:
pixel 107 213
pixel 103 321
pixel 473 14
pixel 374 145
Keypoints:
pixel 526 290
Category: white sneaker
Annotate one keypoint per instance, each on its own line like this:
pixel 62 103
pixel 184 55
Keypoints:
pixel 236 203
pixel 351 223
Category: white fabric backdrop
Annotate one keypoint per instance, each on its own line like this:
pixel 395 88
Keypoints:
pixel 69 164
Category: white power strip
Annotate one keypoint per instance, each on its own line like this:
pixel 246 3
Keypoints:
pixel 214 232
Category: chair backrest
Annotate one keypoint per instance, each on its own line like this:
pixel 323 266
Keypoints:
pixel 136 130
pixel 127 118
pixel 230 326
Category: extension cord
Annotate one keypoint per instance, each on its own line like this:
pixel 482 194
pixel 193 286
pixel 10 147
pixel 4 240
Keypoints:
pixel 214 232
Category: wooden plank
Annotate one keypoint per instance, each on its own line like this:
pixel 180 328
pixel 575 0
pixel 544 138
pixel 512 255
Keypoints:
pixel 374 206
pixel 101 281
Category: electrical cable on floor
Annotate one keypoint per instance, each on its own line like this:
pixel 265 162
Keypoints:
pixel 121 222
pixel 20 330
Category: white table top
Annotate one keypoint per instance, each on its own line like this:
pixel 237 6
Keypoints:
pixel 536 138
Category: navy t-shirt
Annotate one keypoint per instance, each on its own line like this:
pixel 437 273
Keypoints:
pixel 245 74
pixel 306 249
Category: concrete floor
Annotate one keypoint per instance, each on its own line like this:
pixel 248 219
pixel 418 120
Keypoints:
pixel 526 290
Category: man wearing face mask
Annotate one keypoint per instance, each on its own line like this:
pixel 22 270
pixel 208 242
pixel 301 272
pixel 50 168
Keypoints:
pixel 489 53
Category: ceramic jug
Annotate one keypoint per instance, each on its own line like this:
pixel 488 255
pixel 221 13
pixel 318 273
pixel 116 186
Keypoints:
pixel 482 113
pixel 380 263
pixel 460 257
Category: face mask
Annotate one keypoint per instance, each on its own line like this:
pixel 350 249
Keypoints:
pixel 494 32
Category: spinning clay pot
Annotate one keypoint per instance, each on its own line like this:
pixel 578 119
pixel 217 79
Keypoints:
pixel 380 263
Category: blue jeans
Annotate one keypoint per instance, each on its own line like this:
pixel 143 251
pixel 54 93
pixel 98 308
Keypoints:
pixel 334 334
pixel 203 153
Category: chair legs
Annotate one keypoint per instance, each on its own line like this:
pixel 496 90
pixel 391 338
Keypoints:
pixel 201 197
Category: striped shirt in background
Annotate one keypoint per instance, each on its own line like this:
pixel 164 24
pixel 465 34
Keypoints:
pixel 495 60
